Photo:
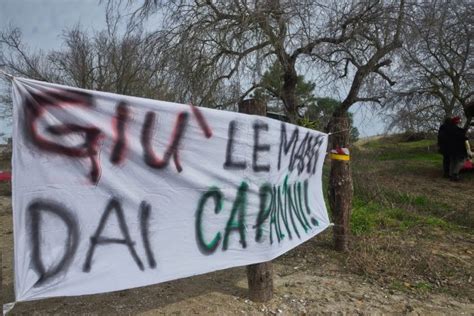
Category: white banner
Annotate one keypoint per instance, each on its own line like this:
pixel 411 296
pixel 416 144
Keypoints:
pixel 113 192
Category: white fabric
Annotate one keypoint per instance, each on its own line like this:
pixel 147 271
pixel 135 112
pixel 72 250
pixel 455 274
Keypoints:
pixel 8 307
pixel 58 202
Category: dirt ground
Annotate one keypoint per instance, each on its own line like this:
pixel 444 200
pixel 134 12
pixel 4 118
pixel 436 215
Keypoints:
pixel 311 279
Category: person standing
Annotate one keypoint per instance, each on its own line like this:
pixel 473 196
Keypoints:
pixel 455 147
pixel 443 144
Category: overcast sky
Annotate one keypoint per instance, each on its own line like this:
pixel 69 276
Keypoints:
pixel 42 23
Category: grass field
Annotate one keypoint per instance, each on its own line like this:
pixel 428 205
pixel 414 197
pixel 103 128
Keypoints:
pixel 412 228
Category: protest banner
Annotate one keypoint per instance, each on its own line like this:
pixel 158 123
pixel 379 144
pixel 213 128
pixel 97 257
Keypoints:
pixel 112 192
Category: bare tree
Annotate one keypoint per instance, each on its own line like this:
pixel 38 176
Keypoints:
pixel 236 39
pixel 436 73
pixel 211 52
pixel 104 61
pixel 416 115
pixel 121 59
pixel 363 61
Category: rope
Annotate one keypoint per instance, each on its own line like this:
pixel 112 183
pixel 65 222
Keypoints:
pixel 343 130
pixel 6 74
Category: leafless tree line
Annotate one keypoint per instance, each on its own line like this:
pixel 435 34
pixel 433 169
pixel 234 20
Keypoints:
pixel 107 60
pixel 415 58
pixel 123 58
pixel 212 53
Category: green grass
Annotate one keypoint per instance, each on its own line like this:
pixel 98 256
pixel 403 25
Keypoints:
pixel 438 222
pixel 371 216
pixel 5 189
pixel 421 287
pixel 425 143
pixel 394 142
pixel 368 217
pixel 390 149
pixel 398 286
pixel 4 164
pixel 432 158
pixel 394 209
pixel 420 202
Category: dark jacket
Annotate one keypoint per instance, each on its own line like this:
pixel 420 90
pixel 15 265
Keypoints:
pixel 443 137
pixel 455 138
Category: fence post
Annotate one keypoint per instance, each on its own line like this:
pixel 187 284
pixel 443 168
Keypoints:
pixel 260 275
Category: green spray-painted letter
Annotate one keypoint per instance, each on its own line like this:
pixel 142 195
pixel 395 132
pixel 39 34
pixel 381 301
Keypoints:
pixel 240 206
pixel 208 248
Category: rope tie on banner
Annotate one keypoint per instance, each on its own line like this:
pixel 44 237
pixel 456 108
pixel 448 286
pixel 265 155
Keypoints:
pixel 9 76
pixel 342 130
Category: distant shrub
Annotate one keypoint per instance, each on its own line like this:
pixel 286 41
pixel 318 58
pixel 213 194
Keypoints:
pixel 414 136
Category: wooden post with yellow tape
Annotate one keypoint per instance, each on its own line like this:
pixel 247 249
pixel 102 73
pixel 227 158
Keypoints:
pixel 340 154
pixel 340 181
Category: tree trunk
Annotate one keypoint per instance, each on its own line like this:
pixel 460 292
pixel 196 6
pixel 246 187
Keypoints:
pixel 260 275
pixel 340 184
pixel 288 92
pixel 469 111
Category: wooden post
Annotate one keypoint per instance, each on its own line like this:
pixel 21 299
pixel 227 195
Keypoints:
pixel 253 106
pixel 260 280
pixel 260 275
pixel 340 185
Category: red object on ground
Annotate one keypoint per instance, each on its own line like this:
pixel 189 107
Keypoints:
pixel 468 165
pixel 5 176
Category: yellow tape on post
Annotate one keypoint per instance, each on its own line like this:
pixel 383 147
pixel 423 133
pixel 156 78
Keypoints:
pixel 340 157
